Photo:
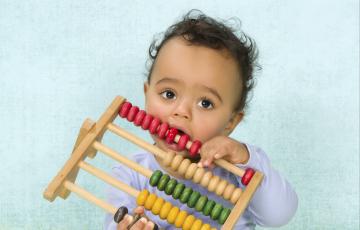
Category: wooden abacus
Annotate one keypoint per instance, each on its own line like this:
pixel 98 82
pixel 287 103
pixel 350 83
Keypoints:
pixel 89 142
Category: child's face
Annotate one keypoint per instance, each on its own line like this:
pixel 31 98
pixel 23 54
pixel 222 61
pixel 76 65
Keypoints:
pixel 194 89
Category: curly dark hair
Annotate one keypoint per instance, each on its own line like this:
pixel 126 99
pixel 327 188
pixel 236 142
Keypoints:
pixel 199 29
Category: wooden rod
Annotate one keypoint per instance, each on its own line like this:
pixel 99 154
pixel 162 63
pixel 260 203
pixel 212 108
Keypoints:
pixel 109 179
pixel 136 140
pixel 230 167
pixel 89 197
pixel 243 201
pixel 118 157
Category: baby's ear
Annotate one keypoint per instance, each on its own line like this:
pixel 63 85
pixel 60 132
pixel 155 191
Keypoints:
pixel 146 87
pixel 233 122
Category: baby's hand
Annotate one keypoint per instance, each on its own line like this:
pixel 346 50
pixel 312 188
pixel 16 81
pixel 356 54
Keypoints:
pixel 142 224
pixel 223 147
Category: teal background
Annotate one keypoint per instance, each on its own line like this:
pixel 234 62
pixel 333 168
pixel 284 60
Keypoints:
pixel 64 61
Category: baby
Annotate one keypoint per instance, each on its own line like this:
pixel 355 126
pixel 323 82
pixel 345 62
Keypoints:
pixel 200 77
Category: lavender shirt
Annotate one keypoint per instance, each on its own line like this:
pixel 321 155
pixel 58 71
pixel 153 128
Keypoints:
pixel 273 204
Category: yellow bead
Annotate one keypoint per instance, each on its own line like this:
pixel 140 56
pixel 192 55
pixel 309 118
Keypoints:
pixel 140 200
pixel 196 225
pixel 172 215
pixel 157 206
pixel 180 219
pixel 188 222
pixel 149 203
pixel 165 209
pixel 205 227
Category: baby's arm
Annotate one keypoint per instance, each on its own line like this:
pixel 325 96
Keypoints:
pixel 275 202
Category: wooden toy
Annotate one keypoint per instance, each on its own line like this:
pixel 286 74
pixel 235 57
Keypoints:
pixel 89 143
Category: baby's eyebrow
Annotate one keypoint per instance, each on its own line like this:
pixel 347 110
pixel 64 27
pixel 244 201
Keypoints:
pixel 167 79
pixel 212 91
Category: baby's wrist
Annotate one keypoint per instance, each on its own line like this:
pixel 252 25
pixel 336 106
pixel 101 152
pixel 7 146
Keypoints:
pixel 243 155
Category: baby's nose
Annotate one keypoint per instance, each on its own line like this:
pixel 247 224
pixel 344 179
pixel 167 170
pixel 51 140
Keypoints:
pixel 183 110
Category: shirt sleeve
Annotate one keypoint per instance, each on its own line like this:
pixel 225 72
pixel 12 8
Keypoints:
pixel 118 198
pixel 275 201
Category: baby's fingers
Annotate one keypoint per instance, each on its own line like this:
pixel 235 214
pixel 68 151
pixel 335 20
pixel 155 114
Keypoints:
pixel 125 222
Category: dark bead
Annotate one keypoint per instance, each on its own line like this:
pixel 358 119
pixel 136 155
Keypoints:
pixel 120 213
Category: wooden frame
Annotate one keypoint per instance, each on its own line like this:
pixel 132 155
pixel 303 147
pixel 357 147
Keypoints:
pixel 89 142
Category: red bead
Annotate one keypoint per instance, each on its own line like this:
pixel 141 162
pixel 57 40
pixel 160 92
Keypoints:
pixel 132 113
pixel 194 149
pixel 183 141
pixel 146 122
pixel 163 128
pixel 139 117
pixel 170 136
pixel 124 110
pixel 249 173
pixel 154 125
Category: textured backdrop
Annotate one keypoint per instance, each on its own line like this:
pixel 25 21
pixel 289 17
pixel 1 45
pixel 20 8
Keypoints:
pixel 63 61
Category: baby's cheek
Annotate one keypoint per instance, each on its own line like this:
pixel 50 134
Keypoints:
pixel 207 130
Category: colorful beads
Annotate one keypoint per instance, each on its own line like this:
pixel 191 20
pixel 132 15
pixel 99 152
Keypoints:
pixel 194 197
pixel 171 134
pixel 178 190
pixel 148 119
pixel 194 149
pixel 190 219
pixel 154 125
pixel 159 202
pixel 196 225
pixel 155 177
pixel 142 197
pixel 185 195
pixel 170 186
pixel 215 212
pixel 120 213
pixel 150 201
pixel 249 173
pixel 132 113
pixel 200 204
pixel 124 110
pixel 163 128
pixel 164 179
pixel 208 207
pixel 200 176
pixel 180 219
pixel 183 141
pixel 224 215
pixel 172 215
pixel 165 210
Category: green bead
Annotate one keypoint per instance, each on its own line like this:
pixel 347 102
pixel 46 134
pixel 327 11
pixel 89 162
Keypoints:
pixel 215 212
pixel 163 181
pixel 178 190
pixel 194 197
pixel 186 195
pixel 201 203
pixel 224 215
pixel 169 189
pixel 155 177
pixel 208 207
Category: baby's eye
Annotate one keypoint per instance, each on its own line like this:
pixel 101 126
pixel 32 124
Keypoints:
pixel 206 104
pixel 168 94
